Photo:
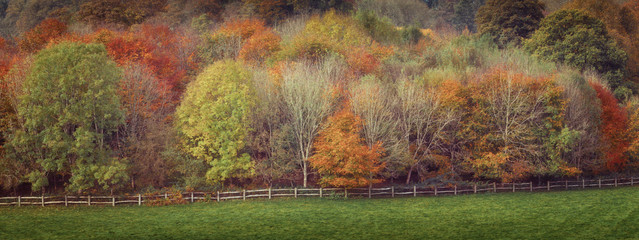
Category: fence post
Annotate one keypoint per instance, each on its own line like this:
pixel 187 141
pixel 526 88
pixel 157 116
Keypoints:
pixel 139 199
pixel 548 185
pixel 615 181
pixel 531 188
pixel 89 201
pixel 113 202
pixel 475 188
pixel 392 191
pixel 370 191
pixel 295 192
pixel 320 192
pixel 66 202
pixel 269 193
pixel 43 199
pixel 494 187
pixel 583 183
pixel 566 184
pixel 632 181
pixel 414 190
pixel 191 197
pixel 600 183
pixel 514 187
pixel 19 201
pixel 166 196
pixel 435 190
pixel 345 193
pixel 218 196
pixel 455 189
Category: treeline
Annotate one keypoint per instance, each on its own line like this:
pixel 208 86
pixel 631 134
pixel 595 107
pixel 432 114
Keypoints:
pixel 104 95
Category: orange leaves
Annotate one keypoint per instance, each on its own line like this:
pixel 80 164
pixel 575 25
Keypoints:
pixel 41 34
pixel 242 28
pixel 259 47
pixel 341 156
pixel 613 127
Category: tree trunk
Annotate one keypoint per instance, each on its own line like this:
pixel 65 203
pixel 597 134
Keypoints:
pixel 409 174
pixel 305 172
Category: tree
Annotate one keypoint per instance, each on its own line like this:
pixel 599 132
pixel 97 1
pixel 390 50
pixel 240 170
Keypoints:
pixel 614 128
pixel 577 39
pixel 464 16
pixel 71 112
pixel 41 34
pixel 509 20
pixel 421 119
pixel 213 119
pixel 119 12
pixel 308 92
pixel 374 102
pixel 341 156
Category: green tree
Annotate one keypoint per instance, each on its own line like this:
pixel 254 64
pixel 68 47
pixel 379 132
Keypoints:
pixel 464 15
pixel 71 112
pixel 213 120
pixel 577 39
pixel 509 20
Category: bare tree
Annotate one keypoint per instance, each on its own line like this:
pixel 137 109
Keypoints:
pixel 309 93
pixel 422 119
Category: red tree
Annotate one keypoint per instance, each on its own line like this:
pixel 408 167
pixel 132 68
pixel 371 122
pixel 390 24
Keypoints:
pixel 614 128
pixel 41 34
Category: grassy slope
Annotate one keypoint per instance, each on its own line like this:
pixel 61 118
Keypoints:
pixel 592 214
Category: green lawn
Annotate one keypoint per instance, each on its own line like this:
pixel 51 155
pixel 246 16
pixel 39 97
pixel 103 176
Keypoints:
pixel 591 214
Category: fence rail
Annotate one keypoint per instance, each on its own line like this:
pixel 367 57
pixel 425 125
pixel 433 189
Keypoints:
pixel 404 191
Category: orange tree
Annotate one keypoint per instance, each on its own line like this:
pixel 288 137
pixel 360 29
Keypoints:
pixel 342 157
pixel 614 124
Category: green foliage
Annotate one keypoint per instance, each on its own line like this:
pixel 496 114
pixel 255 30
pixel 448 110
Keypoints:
pixel 213 120
pixel 575 38
pixel 71 112
pixel 509 21
pixel 379 28
pixel 411 34
pixel 464 15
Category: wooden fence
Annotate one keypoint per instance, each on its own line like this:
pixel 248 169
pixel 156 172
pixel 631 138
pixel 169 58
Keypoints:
pixel 269 193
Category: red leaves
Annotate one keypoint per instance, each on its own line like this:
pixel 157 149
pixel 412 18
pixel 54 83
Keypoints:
pixel 613 127
pixel 40 35
pixel 259 47
pixel 341 156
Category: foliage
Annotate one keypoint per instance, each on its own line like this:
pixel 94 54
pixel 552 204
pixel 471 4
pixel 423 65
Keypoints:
pixel 614 126
pixel 464 16
pixel 119 12
pixel 309 94
pixel 71 111
pixel 40 35
pixel 341 156
pixel 379 28
pixel 212 120
pixel 509 21
pixel 574 38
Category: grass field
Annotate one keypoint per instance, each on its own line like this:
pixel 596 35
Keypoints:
pixel 590 214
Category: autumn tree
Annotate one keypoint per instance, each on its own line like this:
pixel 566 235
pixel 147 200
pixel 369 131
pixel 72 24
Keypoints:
pixel 119 12
pixel 614 128
pixel 421 118
pixel 71 112
pixel 271 142
pixel 509 21
pixel 213 119
pixel 464 14
pixel 341 156
pixel 41 34
pixel 308 91
pixel 577 39
pixel 374 102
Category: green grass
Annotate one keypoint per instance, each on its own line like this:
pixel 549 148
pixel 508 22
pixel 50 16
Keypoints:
pixel 590 214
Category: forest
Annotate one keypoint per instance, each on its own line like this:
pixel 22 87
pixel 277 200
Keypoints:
pixel 130 96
